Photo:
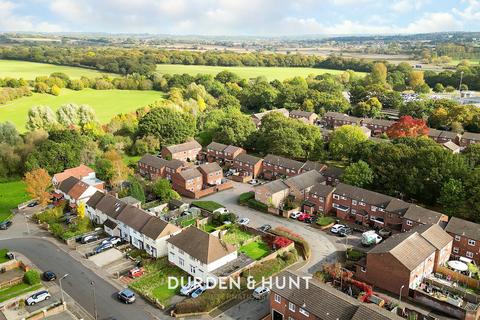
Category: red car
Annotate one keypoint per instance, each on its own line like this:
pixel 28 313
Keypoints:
pixel 304 216
pixel 136 272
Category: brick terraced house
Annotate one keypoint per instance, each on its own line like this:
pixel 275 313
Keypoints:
pixel 305 116
pixel 187 152
pixel 469 138
pixel 212 173
pixel 215 151
pixel 275 167
pixel 273 193
pixel 319 199
pixel 248 165
pixel 154 167
pixel 301 184
pixel 466 238
pixel 189 179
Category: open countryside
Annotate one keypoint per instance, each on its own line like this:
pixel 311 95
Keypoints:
pixel 30 70
pixel 106 103
pixel 271 73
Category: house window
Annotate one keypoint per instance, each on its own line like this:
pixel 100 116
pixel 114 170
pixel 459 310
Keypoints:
pixel 336 197
pixel 291 307
pixel 354 202
pixel 193 269
pixel 469 254
pixel 362 204
pixel 278 299
pixel 304 312
pixel 471 242
pixel 455 250
pixel 374 208
pixel 181 262
pixel 409 223
pixel 457 238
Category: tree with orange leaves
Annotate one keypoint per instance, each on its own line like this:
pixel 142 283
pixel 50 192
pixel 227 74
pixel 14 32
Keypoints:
pixel 38 184
pixel 407 126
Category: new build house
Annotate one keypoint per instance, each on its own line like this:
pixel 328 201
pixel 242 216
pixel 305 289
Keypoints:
pixel 189 179
pixel 199 253
pixel 305 116
pixel 319 199
pixel 185 152
pixel 466 238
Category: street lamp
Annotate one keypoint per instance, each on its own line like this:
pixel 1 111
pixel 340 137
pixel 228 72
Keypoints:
pixel 400 295
pixel 92 284
pixel 61 289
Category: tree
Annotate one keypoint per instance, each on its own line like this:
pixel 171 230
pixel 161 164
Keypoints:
pixel 472 155
pixel 85 115
pixel 81 210
pixel 104 169
pixel 168 125
pixel 358 174
pixel 136 189
pixel 416 79
pixel 162 188
pixel 370 108
pixel 379 73
pixel 38 184
pixel 41 118
pixel 344 140
pixel 117 171
pixel 9 134
pixel 452 196
pixel 55 90
pixel 439 88
pixel 234 129
pixel 67 114
pixel 54 156
pixel 407 127
pixel 147 144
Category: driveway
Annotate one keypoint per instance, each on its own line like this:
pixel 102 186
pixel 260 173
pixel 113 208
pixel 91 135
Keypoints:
pixel 324 248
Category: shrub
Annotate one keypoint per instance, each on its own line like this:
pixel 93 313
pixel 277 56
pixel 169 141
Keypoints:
pixel 354 254
pixel 31 277
pixel 298 239
pixel 254 204
pixel 281 242
pixel 244 197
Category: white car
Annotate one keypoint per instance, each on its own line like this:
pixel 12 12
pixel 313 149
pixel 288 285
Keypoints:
pixel 38 297
pixel 295 214
pixel 113 240
pixel 253 182
pixel 336 228
pixel 261 292
pixel 244 221
pixel 221 210
pixel 191 286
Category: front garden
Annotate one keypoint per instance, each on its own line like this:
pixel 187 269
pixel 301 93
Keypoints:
pixel 209 206
pixel 256 249
pixel 3 255
pixel 154 284
pixel 30 282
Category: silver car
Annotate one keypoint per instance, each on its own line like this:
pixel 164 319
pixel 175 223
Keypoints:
pixel 38 297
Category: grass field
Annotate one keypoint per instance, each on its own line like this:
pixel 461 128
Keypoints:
pixel 30 70
pixel 106 103
pixel 11 194
pixel 246 72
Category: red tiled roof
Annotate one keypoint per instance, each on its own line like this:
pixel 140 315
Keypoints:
pixel 78 172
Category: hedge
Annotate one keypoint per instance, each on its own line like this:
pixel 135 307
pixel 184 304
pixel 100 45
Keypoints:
pixel 31 277
pixel 254 204
pixel 245 197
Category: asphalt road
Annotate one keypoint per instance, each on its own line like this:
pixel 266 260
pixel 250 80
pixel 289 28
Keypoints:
pixel 47 256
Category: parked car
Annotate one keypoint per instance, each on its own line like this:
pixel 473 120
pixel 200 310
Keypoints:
pixel 221 211
pixel 253 182
pixel 136 272
pixel 198 292
pixel 311 219
pixel 5 225
pixel 336 228
pixel 385 233
pixel 244 221
pixel 304 216
pixel 265 227
pixel 370 238
pixel 103 247
pixel 33 204
pixel 295 214
pixel 89 238
pixel 127 296
pixel 113 240
pixel 49 276
pixel 38 297
pixel 343 232
pixel 260 292
pixel 227 222
pixel 191 286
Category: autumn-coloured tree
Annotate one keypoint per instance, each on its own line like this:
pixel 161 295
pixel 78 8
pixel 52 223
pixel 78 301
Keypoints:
pixel 38 183
pixel 407 126
pixel 81 210
pixel 120 171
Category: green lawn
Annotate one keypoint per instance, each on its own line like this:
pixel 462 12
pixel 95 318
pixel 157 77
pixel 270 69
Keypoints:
pixel 11 194
pixel 16 290
pixel 130 159
pixel 106 103
pixel 271 73
pixel 256 249
pixel 325 221
pixel 207 205
pixel 30 70
pixel 3 255
pixel 236 236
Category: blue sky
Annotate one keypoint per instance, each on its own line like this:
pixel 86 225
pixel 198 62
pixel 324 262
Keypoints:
pixel 241 17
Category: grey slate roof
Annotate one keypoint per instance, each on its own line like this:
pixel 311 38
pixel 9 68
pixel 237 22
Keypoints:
pixel 215 146
pixel 434 234
pixel 246 158
pixel 283 162
pixel 321 190
pixel 209 167
pixel 189 145
pixel 111 206
pixel 422 215
pixel 232 149
pixel 471 136
pixel 157 228
pixel 134 217
pixel 190 173
pixel 367 196
pixel 67 184
pixel 397 206
pixel 333 172
pixel 314 165
pixel 274 186
pixel 95 199
pixel 300 113
pixel 305 180
pixel 464 228
pixel 152 161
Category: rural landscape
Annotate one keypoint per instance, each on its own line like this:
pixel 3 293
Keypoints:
pixel 239 161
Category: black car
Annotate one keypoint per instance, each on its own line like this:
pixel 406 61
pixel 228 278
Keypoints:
pixel 32 204
pixel 265 227
pixel 49 276
pixel 5 225
pixel 345 231
pixel 311 219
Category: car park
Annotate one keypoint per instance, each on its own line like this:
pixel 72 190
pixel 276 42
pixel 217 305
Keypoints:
pixel 127 296
pixel 136 272
pixel 38 297
pixel 265 227
pixel 197 292
pixel 344 232
pixel 295 214
pixel 89 238
pixel 260 292
pixel 5 225
pixel 336 228
pixel 103 247
pixel 191 286
pixel 113 240
pixel 49 276
pixel 243 221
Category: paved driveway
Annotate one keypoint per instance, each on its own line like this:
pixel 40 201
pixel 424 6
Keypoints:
pixel 323 247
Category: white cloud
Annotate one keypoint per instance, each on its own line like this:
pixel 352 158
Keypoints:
pixel 433 22
pixel 470 12
pixel 403 6
pixel 11 21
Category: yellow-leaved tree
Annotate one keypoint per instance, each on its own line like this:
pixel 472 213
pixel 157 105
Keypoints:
pixel 38 183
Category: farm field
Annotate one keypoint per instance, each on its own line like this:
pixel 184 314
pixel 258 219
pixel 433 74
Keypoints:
pixel 30 70
pixel 11 194
pixel 271 73
pixel 106 103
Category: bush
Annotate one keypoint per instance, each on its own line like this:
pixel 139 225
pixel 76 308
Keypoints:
pixel 244 197
pixel 354 254
pixel 254 204
pixel 31 277
pixel 299 240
